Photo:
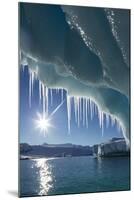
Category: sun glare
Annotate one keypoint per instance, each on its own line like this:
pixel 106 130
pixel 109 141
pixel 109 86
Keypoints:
pixel 43 123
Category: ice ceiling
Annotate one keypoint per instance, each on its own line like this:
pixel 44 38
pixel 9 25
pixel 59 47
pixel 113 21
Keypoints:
pixel 82 50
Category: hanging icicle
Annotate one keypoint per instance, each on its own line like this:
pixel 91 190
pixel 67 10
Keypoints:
pixel 69 112
pixel 83 107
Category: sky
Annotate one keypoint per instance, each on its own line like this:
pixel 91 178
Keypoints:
pixel 58 133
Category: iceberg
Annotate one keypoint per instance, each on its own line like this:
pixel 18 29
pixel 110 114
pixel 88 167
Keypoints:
pixel 114 147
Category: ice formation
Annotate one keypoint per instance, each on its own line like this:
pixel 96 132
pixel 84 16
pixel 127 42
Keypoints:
pixel 84 51
pixel 83 107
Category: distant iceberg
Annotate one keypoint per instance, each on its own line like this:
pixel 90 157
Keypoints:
pixel 114 147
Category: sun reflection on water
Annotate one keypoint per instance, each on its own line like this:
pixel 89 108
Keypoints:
pixel 45 176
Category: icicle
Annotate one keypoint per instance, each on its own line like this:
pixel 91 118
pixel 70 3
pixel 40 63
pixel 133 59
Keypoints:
pixel 95 109
pixel 86 113
pixel 112 121
pixel 51 96
pixel 57 90
pixel 91 114
pixel 43 99
pixel 83 111
pixel 29 90
pixel 102 125
pixel 107 120
pixel 62 93
pixel 69 111
pixel 75 109
pixel 32 82
pixel 32 77
pixel 46 99
pixel 40 94
pixel 78 108
pixel 22 68
pixel 92 103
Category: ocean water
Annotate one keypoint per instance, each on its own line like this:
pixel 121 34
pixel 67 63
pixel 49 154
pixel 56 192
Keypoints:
pixel 68 175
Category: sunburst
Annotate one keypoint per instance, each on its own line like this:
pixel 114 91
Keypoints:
pixel 43 122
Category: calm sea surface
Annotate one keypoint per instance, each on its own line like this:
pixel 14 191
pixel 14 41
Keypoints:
pixel 73 175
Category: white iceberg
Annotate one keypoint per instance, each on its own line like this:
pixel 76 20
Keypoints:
pixel 114 147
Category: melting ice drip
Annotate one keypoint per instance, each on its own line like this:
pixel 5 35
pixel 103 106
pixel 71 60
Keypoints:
pixel 82 107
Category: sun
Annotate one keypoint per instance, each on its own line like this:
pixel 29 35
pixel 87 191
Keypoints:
pixel 43 123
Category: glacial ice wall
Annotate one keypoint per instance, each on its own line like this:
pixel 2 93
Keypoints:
pixel 82 50
pixel 112 147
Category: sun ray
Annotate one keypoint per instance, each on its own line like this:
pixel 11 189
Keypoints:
pixel 43 122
